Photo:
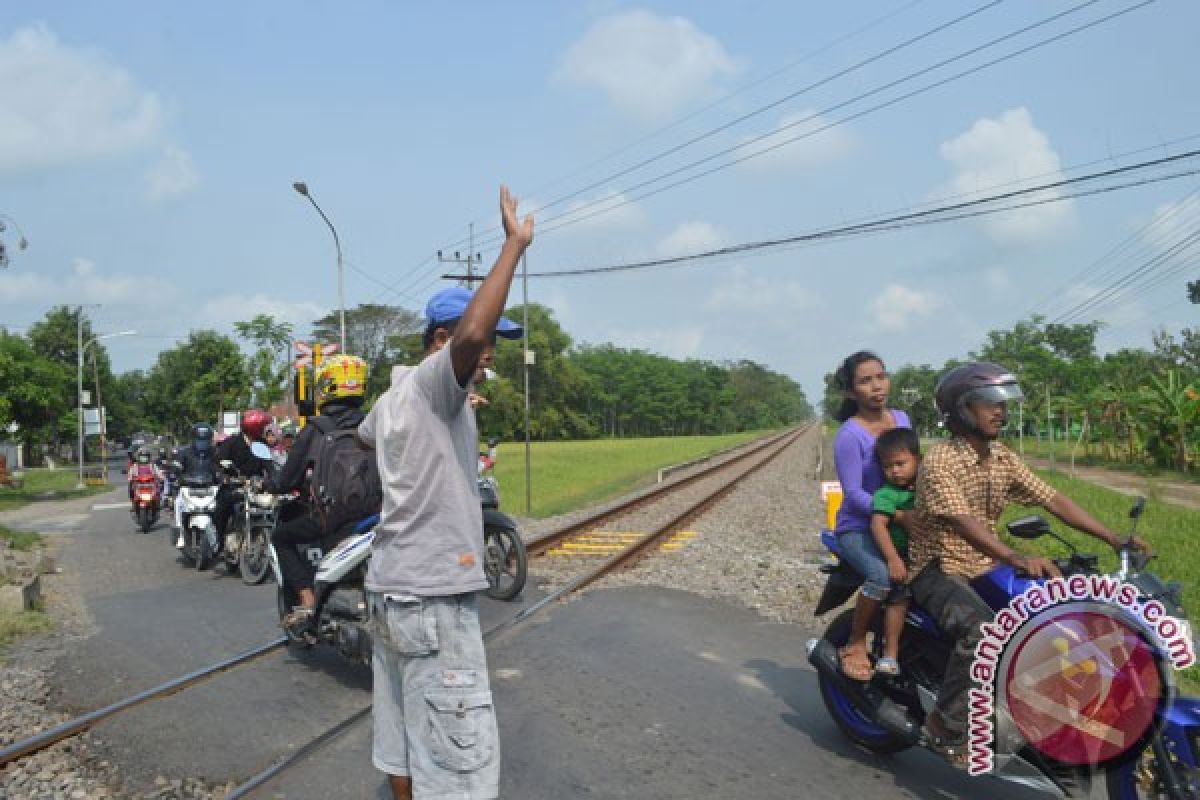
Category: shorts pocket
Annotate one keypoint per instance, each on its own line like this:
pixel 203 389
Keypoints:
pixel 409 625
pixel 462 729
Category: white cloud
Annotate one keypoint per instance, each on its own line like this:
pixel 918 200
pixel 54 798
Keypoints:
pixel 84 284
pixel 680 342
pixel 221 312
pixel 1009 151
pixel 746 293
pixel 1172 222
pixel 603 213
pixel 689 238
pixel 814 149
pixel 898 306
pixel 64 105
pixel 649 66
pixel 173 174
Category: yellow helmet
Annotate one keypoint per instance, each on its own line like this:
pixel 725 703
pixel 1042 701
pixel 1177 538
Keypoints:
pixel 339 377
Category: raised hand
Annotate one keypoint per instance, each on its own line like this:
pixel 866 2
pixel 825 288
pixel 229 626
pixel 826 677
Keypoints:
pixel 521 232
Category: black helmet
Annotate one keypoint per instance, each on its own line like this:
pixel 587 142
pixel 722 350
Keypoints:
pixel 203 437
pixel 972 383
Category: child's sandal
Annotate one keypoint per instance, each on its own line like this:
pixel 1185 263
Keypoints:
pixel 887 666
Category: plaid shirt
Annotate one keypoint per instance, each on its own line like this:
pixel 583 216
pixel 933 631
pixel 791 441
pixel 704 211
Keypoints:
pixel 955 481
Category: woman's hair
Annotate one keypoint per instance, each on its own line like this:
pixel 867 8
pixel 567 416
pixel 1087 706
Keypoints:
pixel 843 380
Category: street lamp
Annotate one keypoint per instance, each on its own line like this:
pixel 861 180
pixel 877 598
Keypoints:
pixel 79 385
pixel 302 188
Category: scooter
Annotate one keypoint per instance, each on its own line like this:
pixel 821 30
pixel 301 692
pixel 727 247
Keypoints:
pixel 198 534
pixel 886 714
pixel 505 562
pixel 146 501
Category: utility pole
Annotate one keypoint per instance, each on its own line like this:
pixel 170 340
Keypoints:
pixel 526 360
pixel 471 261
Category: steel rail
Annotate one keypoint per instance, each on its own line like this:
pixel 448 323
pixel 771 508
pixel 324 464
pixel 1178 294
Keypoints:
pixel 618 561
pixel 540 545
pixel 71 727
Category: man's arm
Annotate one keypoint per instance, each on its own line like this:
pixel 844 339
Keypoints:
pixel 1072 514
pixel 475 330
pixel 976 534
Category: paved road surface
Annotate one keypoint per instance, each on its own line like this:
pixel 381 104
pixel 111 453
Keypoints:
pixel 623 693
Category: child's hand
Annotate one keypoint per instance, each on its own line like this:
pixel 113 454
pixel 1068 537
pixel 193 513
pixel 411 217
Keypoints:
pixel 897 571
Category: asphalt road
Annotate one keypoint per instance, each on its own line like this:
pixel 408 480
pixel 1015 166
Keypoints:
pixel 621 693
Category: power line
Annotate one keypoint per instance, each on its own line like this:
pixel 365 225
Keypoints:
pixel 961 210
pixel 886 104
pixel 703 110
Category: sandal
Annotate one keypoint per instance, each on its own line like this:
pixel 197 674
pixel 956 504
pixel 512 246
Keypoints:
pixel 855 664
pixel 887 666
pixel 298 624
pixel 950 746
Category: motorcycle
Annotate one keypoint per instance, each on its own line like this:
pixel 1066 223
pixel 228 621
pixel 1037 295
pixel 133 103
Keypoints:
pixel 146 500
pixel 341 616
pixel 886 714
pixel 198 534
pixel 250 527
pixel 505 562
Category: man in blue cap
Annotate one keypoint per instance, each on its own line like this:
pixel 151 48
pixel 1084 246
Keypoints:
pixel 435 727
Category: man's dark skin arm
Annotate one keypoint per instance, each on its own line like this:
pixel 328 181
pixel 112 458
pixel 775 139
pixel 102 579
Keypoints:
pixel 477 328
pixel 976 534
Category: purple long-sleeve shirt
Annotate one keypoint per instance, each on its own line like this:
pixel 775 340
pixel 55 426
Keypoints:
pixel 858 471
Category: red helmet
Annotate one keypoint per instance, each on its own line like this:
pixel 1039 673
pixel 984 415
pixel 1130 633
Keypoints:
pixel 255 422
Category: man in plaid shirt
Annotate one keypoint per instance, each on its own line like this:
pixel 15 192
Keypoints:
pixel 964 486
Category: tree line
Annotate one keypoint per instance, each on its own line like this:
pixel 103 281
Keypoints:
pixel 576 391
pixel 1134 406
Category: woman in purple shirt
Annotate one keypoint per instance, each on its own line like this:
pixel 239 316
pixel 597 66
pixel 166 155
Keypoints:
pixel 864 415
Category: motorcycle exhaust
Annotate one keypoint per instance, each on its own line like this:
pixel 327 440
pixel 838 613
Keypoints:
pixel 885 713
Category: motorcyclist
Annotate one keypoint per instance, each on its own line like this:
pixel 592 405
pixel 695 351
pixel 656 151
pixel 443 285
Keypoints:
pixel 142 469
pixel 197 467
pixel 236 449
pixel 964 485
pixel 341 383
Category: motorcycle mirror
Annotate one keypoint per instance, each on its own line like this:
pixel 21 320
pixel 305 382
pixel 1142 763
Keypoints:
pixel 260 450
pixel 1031 527
pixel 1139 505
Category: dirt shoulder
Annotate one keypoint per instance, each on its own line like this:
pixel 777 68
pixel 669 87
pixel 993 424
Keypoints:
pixel 1186 495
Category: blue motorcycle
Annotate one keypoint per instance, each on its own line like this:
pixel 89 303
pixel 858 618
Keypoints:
pixel 886 714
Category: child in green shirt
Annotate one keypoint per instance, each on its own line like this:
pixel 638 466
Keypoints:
pixel 899 454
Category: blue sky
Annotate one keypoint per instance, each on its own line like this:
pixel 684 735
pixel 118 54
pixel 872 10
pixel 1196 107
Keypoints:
pixel 147 152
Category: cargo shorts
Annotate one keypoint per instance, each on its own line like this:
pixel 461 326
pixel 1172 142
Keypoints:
pixel 433 713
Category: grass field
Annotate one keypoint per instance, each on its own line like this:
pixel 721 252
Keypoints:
pixel 14 624
pixel 1172 531
pixel 18 540
pixel 39 481
pixel 1094 457
pixel 570 475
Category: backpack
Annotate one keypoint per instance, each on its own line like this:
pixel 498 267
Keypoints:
pixel 345 484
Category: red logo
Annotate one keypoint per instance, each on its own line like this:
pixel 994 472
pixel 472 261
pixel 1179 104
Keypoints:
pixel 1084 687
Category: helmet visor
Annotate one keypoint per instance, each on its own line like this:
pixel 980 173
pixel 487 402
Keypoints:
pixel 1002 393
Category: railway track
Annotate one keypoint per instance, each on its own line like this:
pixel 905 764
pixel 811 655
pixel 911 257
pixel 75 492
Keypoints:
pixel 730 472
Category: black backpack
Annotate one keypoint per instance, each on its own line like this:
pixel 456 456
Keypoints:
pixel 345 484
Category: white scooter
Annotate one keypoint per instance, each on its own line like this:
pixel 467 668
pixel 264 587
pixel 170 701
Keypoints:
pixel 198 530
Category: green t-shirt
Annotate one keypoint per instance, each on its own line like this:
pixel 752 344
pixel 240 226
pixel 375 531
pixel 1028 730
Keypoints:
pixel 889 499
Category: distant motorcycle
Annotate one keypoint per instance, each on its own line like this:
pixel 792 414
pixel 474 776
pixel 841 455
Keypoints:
pixel 147 497
pixel 255 512
pixel 199 531
pixel 505 562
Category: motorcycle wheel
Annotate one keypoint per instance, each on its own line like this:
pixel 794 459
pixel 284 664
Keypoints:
pixel 145 522
pixel 504 562
pixel 852 723
pixel 255 561
pixel 1142 779
pixel 203 551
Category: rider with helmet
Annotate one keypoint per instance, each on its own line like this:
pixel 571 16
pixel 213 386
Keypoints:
pixel 236 448
pixel 143 468
pixel 340 386
pixel 197 467
pixel 964 485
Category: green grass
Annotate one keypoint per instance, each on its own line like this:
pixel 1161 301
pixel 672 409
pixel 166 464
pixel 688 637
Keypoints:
pixel 1093 456
pixel 1170 530
pixel 570 475
pixel 22 623
pixel 39 481
pixel 18 540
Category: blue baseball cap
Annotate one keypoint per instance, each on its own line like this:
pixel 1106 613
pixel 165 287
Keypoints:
pixel 448 305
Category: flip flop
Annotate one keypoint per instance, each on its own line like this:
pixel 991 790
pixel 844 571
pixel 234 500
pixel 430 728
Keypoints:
pixel 887 666
pixel 855 670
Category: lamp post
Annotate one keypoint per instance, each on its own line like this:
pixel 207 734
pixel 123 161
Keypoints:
pixel 79 384
pixel 302 188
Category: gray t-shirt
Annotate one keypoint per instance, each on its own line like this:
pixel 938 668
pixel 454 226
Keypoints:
pixel 430 536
